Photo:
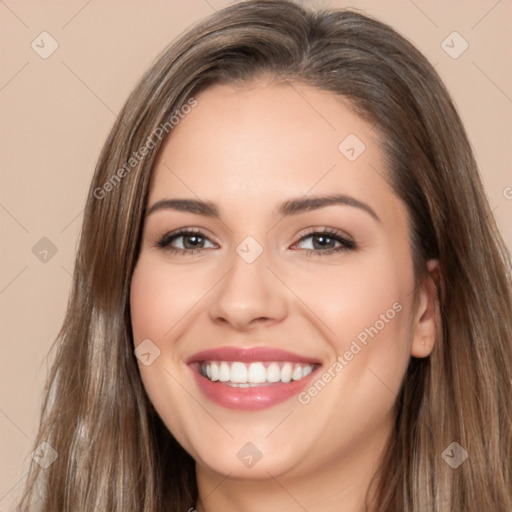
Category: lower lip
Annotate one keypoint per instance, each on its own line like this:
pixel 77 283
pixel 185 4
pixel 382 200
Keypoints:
pixel 250 398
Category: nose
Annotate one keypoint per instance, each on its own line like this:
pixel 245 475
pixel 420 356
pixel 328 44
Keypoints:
pixel 249 296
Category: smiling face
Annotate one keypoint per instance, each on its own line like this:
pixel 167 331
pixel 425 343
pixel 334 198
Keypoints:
pixel 266 266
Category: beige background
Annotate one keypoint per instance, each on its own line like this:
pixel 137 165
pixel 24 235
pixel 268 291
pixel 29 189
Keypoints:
pixel 56 113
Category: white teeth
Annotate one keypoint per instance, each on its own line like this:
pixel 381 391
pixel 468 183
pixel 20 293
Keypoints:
pixel 224 372
pixel 247 374
pixel 286 373
pixel 214 368
pixel 257 373
pixel 297 373
pixel 238 372
pixel 273 372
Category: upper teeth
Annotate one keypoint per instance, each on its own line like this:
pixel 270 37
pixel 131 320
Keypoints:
pixel 254 373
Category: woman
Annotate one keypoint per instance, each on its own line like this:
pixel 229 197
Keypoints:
pixel 210 360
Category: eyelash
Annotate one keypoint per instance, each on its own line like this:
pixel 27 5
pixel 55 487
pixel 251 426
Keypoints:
pixel 346 244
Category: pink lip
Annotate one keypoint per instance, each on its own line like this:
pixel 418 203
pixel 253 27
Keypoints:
pixel 250 355
pixel 251 398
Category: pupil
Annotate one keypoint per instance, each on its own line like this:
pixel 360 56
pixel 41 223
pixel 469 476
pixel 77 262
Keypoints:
pixel 194 245
pixel 322 245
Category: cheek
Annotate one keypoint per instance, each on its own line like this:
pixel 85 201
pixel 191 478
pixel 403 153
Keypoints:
pixel 159 302
pixel 366 317
pixel 365 312
pixel 354 297
pixel 160 298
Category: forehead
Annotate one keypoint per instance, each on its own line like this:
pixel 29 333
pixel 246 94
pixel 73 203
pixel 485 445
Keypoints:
pixel 258 143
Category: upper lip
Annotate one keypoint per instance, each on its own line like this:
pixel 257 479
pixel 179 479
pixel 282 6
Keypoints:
pixel 250 355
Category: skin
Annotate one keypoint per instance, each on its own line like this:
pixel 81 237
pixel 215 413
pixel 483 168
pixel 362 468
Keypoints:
pixel 247 149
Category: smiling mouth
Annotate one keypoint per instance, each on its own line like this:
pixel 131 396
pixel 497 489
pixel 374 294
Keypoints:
pixel 245 375
pixel 251 379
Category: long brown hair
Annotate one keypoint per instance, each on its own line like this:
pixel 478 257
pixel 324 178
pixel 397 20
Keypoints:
pixel 114 453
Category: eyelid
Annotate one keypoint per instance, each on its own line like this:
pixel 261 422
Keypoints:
pixel 165 240
pixel 343 238
pixel 347 242
pixel 328 231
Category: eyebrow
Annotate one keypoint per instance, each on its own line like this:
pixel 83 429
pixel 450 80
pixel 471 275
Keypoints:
pixel 293 206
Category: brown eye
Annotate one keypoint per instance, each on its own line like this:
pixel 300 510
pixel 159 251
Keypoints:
pixel 190 240
pixel 324 242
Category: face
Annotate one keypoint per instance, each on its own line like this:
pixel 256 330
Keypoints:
pixel 273 298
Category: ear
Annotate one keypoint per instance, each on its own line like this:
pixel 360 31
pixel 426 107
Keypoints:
pixel 427 315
